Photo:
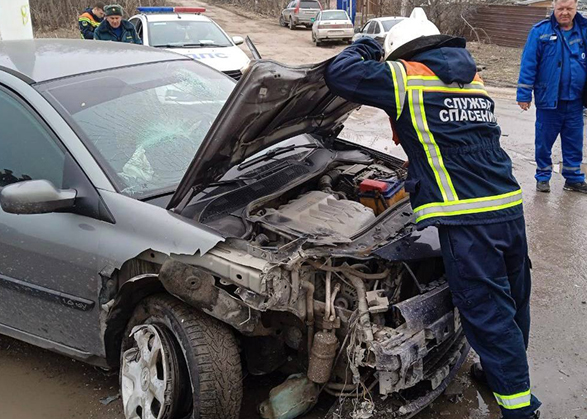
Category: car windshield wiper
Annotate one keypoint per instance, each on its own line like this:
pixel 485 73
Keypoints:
pixel 272 153
pixel 203 45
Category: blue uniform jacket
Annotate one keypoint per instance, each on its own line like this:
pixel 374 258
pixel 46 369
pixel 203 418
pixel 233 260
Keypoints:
pixel 458 172
pixel 541 65
pixel 104 32
pixel 87 23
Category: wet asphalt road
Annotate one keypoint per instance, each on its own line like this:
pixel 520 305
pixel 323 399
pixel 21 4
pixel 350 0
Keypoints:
pixel 36 384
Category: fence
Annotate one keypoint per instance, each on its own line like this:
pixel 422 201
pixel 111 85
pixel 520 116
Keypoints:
pixel 506 26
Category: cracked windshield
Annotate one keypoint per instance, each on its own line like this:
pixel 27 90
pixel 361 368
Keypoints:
pixel 146 123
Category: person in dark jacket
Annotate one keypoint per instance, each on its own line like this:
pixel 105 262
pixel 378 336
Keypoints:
pixel 90 19
pixel 460 180
pixel 115 28
pixel 554 67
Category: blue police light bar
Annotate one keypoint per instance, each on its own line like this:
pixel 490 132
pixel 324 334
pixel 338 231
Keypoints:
pixel 171 9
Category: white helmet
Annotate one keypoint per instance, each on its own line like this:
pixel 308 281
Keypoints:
pixel 407 30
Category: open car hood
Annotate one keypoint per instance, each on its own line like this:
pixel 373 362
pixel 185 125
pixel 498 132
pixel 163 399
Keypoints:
pixel 272 102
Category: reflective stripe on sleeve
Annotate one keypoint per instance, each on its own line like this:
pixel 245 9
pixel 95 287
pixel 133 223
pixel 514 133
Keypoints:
pixel 430 147
pixel 525 86
pixel 547 168
pixel 514 401
pixel 571 169
pixel 399 81
pixel 469 206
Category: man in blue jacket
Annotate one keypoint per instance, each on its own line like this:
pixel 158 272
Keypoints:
pixel 115 28
pixel 554 67
pixel 460 180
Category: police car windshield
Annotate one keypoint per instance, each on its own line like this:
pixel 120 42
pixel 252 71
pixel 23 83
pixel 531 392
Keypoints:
pixel 144 124
pixel 186 34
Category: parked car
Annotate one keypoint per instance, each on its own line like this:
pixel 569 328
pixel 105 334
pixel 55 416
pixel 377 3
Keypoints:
pixel 377 28
pixel 173 223
pixel 186 31
pixel 332 25
pixel 299 12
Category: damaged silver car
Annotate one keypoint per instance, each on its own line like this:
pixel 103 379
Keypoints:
pixel 161 219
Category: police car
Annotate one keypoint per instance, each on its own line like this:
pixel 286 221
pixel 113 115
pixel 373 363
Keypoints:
pixel 186 31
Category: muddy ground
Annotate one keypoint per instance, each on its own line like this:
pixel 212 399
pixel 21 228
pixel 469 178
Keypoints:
pixel 36 384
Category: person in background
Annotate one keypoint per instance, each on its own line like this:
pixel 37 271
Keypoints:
pixel 554 67
pixel 115 28
pixel 90 19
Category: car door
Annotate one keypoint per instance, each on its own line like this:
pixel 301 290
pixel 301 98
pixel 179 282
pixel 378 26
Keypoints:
pixel 315 24
pixel 378 33
pixel 138 24
pixel 49 281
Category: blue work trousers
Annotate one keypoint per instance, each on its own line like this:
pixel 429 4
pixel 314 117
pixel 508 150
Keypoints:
pixel 566 120
pixel 488 272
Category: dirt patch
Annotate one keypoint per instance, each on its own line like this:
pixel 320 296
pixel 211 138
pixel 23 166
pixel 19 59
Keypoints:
pixel 500 65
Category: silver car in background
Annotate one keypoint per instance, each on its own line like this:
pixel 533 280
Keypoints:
pixel 377 28
pixel 299 12
pixel 332 25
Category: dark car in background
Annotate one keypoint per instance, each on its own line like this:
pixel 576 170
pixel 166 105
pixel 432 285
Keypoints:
pixel 180 227
pixel 299 12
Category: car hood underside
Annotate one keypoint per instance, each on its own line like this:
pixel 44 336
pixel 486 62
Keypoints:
pixel 272 102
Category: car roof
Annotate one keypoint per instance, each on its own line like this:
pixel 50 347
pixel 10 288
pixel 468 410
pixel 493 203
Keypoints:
pixel 167 17
pixel 39 60
pixel 381 19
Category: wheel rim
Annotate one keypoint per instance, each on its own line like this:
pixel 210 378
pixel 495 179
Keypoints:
pixel 145 375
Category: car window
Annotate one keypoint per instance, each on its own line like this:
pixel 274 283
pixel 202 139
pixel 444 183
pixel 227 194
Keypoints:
pixel 388 24
pixel 144 124
pixel 309 4
pixel 292 5
pixel 27 150
pixel 334 15
pixel 371 27
pixel 185 33
pixel 138 24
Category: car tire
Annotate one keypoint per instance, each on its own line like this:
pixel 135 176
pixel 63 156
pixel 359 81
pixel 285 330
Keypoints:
pixel 282 21
pixel 203 376
pixel 349 41
pixel 291 24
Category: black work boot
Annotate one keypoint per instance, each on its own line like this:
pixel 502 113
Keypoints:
pixel 576 187
pixel 477 373
pixel 543 186
pixel 536 415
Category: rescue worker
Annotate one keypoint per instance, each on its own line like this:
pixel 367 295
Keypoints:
pixel 90 19
pixel 115 28
pixel 460 180
pixel 554 67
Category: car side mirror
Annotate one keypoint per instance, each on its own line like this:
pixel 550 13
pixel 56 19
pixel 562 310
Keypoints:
pixel 35 197
pixel 238 40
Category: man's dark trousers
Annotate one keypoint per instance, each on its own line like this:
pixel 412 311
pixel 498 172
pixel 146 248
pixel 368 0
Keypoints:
pixel 566 120
pixel 488 271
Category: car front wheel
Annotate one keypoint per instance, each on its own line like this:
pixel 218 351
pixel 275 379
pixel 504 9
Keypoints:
pixel 177 362
pixel 282 21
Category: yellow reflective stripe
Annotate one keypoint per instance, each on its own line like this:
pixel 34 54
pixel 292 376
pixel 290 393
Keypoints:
pixel 449 90
pixel 90 21
pixel 469 206
pixel 514 401
pixel 399 82
pixel 418 114
pixel 470 200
